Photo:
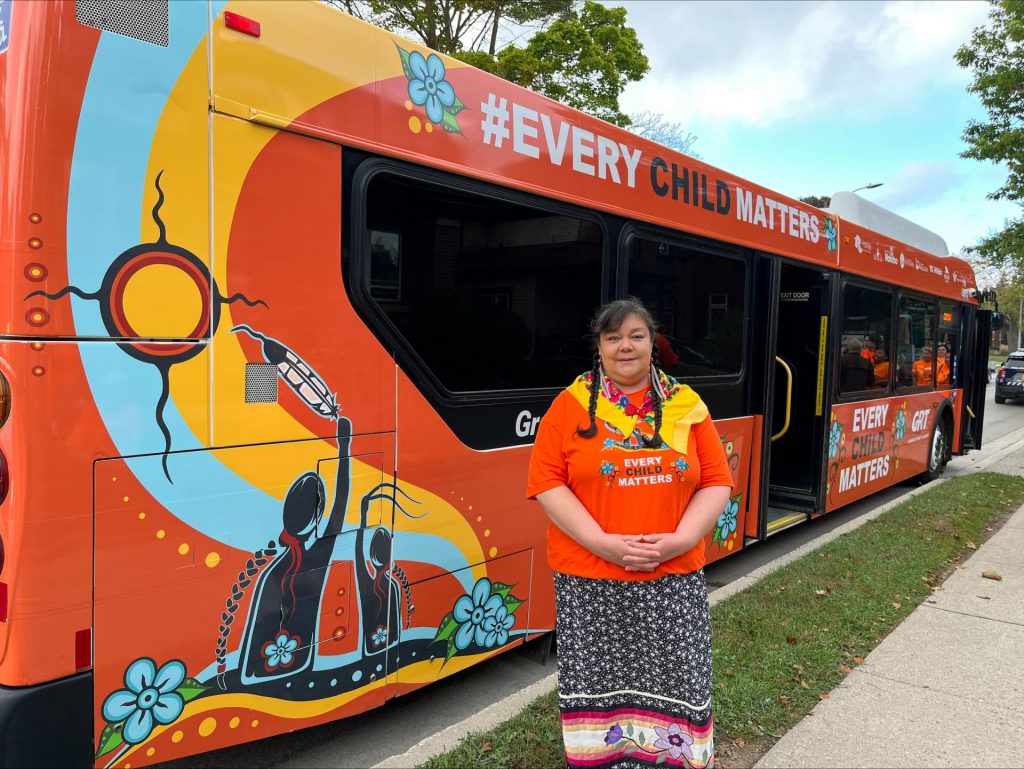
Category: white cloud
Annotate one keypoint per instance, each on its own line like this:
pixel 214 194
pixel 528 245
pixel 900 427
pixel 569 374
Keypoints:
pixel 918 184
pixel 760 62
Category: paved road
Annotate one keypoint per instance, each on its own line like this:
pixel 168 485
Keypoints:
pixel 373 737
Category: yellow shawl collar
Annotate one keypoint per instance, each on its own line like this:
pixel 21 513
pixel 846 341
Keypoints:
pixel 679 413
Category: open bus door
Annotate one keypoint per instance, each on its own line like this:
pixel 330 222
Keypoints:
pixel 976 378
pixel 796 403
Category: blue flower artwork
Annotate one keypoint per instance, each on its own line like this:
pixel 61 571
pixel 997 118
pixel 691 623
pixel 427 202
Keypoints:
pixel 482 618
pixel 831 235
pixel 280 652
pixel 429 88
pixel 151 696
pixel 834 436
pixel 728 521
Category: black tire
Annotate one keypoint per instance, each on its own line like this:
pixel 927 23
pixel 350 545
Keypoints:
pixel 938 451
pixel 1000 399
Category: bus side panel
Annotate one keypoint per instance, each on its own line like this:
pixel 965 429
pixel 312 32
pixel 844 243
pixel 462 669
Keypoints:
pixel 479 506
pixel 43 74
pixel 873 444
pixel 277 239
pixel 739 439
pixel 214 594
pixel 507 577
pixel 50 441
pixel 956 398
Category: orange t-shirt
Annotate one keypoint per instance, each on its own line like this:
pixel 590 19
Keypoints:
pixel 922 372
pixel 882 372
pixel 628 489
pixel 941 372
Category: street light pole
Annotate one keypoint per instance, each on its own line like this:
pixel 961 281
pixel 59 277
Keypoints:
pixel 869 186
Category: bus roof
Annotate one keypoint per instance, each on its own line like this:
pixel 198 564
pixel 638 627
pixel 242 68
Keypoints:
pixel 853 208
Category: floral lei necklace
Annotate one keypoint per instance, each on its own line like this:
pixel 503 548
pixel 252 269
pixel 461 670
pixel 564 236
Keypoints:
pixel 667 387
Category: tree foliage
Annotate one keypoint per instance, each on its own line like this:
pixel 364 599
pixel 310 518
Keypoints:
pixel 669 133
pixel 582 53
pixel 454 26
pixel 820 201
pixel 995 55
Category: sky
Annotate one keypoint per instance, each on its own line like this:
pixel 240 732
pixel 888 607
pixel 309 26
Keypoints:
pixel 808 98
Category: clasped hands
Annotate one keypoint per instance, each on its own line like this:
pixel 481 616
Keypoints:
pixel 642 552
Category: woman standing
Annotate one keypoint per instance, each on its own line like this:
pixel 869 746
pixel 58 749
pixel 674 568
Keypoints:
pixel 630 469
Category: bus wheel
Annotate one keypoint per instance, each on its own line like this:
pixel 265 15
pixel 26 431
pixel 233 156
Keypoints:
pixel 937 456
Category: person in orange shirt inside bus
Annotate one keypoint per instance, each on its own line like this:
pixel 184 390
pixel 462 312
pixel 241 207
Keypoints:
pixel 630 470
pixel 923 368
pixel 881 367
pixel 942 365
pixel 868 353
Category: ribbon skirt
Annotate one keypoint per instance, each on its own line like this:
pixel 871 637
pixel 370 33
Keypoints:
pixel 634 671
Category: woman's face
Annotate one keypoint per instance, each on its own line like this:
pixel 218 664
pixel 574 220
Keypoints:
pixel 626 353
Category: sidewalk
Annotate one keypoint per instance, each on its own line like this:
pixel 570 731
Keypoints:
pixel 946 688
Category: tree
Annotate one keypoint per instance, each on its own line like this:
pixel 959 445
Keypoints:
pixel 821 201
pixel 669 133
pixel 1007 282
pixel 995 55
pixel 454 26
pixel 583 53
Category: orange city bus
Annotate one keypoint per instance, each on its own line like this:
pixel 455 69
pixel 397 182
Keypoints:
pixel 285 296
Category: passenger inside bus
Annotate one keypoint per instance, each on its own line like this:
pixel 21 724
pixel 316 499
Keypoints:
pixel 923 367
pixel 868 353
pixel 855 373
pixel 881 367
pixel 942 365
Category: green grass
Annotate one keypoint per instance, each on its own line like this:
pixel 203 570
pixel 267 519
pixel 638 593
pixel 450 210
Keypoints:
pixel 787 641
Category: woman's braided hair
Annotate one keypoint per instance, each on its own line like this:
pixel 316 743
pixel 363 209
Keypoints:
pixel 610 317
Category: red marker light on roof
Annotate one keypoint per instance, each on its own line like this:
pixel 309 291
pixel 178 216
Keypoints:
pixel 241 23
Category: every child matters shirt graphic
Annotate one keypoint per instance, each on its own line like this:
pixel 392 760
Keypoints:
pixel 627 487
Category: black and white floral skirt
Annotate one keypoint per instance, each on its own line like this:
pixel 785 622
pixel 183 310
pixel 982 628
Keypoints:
pixel 634 671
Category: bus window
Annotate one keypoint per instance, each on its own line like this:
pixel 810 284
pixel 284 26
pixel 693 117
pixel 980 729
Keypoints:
pixel 697 298
pixel 864 360
pixel 915 356
pixel 468 277
pixel 947 357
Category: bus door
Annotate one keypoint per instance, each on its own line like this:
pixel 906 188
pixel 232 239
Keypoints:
pixel 797 402
pixel 975 379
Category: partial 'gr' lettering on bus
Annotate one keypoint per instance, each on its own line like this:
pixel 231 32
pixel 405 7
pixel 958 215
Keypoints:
pixel 776 215
pixel 526 424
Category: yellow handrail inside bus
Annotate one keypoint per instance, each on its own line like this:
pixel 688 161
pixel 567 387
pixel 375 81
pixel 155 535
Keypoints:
pixel 789 396
pixel 971 413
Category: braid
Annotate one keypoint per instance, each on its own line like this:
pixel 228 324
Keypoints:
pixel 655 440
pixel 595 385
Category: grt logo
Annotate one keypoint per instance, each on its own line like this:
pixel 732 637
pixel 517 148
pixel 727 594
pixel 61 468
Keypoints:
pixel 920 420
pixel 526 424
